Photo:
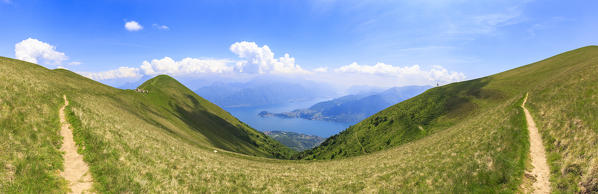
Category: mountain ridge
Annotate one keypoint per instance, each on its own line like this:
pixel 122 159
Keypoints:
pixel 351 108
pixel 260 92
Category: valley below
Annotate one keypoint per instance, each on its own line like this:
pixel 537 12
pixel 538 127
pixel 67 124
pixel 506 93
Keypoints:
pixel 322 128
pixel 296 141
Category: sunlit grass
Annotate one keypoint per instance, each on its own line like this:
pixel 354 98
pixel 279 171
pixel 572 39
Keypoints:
pixel 565 107
pixel 29 140
pixel 134 144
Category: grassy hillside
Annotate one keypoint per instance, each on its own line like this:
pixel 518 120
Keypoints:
pixel 29 137
pixel 463 137
pixel 412 119
pixel 218 127
pixel 563 96
pixel 565 105
pixel 29 126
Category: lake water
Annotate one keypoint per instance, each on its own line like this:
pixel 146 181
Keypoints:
pixel 250 116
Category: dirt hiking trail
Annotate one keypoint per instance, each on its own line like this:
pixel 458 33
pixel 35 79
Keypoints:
pixel 76 171
pixel 541 172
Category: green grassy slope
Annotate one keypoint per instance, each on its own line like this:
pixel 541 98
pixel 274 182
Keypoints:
pixel 29 125
pixel 565 107
pixel 412 119
pixel 463 137
pixel 29 132
pixel 217 126
pixel 563 94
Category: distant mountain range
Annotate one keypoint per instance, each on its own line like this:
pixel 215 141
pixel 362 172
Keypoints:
pixel 261 92
pixel 296 141
pixel 352 108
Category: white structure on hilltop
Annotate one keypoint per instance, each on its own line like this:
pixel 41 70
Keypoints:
pixel 141 90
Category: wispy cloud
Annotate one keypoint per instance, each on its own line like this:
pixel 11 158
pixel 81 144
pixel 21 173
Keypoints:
pixel 398 24
pixel 426 48
pixel 544 25
pixel 160 27
pixel 484 24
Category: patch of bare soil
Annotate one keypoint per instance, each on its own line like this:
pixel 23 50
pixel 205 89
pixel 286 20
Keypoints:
pixel 540 172
pixel 76 171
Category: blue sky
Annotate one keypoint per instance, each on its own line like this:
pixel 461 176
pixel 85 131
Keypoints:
pixel 372 41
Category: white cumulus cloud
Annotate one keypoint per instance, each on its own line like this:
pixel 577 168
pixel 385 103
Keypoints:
pixel 261 59
pixel 254 61
pixel 120 73
pixel 440 74
pixel 133 26
pixel 34 51
pixel 186 66
pixel 414 72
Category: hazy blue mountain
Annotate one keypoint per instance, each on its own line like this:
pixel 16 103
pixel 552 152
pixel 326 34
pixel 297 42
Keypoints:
pixel 352 108
pixel 296 141
pixel 364 89
pixel 261 92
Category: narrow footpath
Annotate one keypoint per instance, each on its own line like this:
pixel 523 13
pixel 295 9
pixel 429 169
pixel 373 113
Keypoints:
pixel 76 171
pixel 541 172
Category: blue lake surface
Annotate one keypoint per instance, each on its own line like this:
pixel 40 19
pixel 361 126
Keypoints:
pixel 250 116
